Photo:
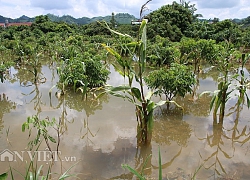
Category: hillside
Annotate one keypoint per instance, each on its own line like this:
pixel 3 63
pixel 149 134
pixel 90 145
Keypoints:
pixel 121 18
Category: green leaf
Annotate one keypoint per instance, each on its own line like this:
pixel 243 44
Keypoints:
pixel 118 33
pixel 137 93
pixel 117 94
pixel 31 176
pixel 212 103
pixel 65 174
pixel 248 101
pixel 29 120
pixel 150 121
pixel 150 106
pixel 43 123
pixel 3 176
pixel 160 168
pixel 52 139
pixel 112 51
pixel 23 127
pixel 132 44
pixel 142 29
pixel 133 171
pixel 160 103
pixel 39 171
pixel 145 163
pixel 119 88
pixel 74 86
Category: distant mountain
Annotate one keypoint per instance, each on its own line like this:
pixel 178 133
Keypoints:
pixel 121 18
pixel 24 18
pixel 20 19
pixel 238 21
pixel 2 19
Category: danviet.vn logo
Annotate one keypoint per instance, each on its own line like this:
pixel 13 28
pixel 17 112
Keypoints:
pixel 45 156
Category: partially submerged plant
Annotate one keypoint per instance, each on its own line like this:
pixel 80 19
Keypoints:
pixel 83 70
pixel 220 96
pixel 36 65
pixel 173 81
pixel 134 70
pixel 244 82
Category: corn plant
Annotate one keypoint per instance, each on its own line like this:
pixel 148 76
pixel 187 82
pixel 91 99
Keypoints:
pixel 225 84
pixel 222 94
pixel 243 82
pixel 133 69
pixel 36 65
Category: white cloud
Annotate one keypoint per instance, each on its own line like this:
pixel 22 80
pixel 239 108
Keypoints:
pixel 87 8
pixel 48 4
pixel 217 4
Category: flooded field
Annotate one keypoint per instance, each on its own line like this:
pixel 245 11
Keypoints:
pixel 98 136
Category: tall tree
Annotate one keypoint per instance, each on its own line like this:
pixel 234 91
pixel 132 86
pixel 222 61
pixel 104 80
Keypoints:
pixel 112 21
pixel 170 21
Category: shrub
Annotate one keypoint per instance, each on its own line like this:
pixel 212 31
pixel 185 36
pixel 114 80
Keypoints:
pixel 176 80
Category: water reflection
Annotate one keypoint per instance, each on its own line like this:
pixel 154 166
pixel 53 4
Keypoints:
pixel 199 107
pixel 5 106
pixel 224 142
pixel 101 133
pixel 36 99
pixel 169 127
pixel 75 101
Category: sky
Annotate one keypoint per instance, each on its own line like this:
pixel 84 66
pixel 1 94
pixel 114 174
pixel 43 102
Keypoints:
pixel 221 9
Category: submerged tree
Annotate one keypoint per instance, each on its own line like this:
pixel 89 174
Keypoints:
pixel 176 80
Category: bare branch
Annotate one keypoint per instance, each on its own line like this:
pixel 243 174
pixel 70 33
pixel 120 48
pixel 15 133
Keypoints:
pixel 143 8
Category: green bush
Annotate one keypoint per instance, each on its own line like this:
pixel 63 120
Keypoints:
pixel 85 69
pixel 176 80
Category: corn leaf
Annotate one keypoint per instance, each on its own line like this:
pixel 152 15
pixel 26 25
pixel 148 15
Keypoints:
pixel 137 93
pixel 133 171
pixel 119 88
pixel 160 168
pixel 112 51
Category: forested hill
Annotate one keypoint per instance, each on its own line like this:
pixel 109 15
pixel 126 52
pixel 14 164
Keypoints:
pixel 121 18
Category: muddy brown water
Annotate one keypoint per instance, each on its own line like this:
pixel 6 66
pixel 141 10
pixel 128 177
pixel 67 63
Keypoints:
pixel 100 136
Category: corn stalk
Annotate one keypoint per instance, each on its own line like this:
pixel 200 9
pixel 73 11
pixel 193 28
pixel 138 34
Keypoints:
pixel 144 106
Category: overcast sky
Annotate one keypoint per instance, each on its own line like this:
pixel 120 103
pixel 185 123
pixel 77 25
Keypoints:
pixel 222 9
